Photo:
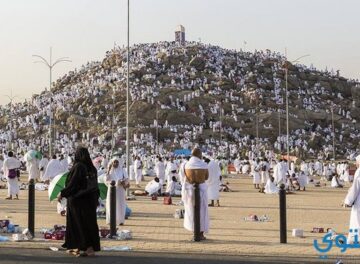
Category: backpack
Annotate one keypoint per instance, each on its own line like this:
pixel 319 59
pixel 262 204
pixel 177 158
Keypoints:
pixel 12 174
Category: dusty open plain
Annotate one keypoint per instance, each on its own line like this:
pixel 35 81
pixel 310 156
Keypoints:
pixel 155 229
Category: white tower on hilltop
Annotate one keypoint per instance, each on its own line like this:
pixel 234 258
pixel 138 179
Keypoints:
pixel 180 34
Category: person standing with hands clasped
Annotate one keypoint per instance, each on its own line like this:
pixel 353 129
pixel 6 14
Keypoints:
pixel 82 194
pixel 117 174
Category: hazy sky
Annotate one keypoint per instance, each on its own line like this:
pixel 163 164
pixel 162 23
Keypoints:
pixel 84 30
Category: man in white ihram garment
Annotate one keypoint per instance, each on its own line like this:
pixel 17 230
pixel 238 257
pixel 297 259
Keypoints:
pixel 117 174
pixel 160 170
pixel 42 166
pixel 9 169
pixel 138 170
pixel 237 165
pixel 213 183
pixel 353 200
pixel 33 169
pixel 188 194
pixel 53 169
pixel 280 171
pixel 255 170
pixel 2 177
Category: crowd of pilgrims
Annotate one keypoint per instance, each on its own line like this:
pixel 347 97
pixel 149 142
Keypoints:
pixel 87 95
pixel 268 171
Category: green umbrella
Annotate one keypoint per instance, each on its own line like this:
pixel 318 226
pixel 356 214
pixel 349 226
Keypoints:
pixel 102 187
pixel 33 154
pixel 58 183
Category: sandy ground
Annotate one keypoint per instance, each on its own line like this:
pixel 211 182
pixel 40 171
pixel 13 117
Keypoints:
pixel 155 229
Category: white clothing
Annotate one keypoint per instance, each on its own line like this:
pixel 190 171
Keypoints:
pixel 188 198
pixel 118 175
pixel 237 165
pixel 256 173
pixel 53 169
pixel 132 173
pixel 152 187
pixel 64 164
pixel 160 171
pixel 302 179
pixel 42 167
pixel 13 186
pixel 213 182
pixel 334 183
pixel 173 188
pixel 138 171
pixel 1 170
pixel 270 187
pixel 245 169
pixel 33 169
pixel 353 199
pixel 170 166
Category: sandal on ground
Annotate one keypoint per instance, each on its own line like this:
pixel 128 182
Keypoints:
pixel 74 252
pixel 84 254
pixel 8 198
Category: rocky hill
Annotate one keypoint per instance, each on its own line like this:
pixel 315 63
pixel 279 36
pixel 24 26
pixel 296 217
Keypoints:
pixel 210 91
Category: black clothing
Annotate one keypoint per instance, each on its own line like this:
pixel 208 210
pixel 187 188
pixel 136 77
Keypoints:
pixel 82 199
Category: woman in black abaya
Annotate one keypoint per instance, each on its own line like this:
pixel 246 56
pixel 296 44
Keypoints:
pixel 82 193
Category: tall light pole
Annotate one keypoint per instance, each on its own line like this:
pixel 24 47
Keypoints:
pixel 112 122
pixel 257 122
pixel 128 94
pixel 50 64
pixel 333 129
pixel 157 128
pixel 11 98
pixel 287 101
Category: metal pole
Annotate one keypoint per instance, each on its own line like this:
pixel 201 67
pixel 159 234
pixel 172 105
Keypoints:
pixel 112 209
pixel 50 65
pixel 11 98
pixel 128 95
pixel 282 200
pixel 52 115
pixel 287 117
pixel 220 124
pixel 280 129
pixel 112 123
pixel 257 123
pixel 197 213
pixel 333 127
pixel 157 129
pixel 31 207
pixel 11 118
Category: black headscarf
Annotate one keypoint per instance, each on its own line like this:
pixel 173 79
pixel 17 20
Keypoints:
pixel 82 155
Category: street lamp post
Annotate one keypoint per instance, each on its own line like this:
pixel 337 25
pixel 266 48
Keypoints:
pixel 112 122
pixel 333 129
pixel 157 128
pixel 50 64
pixel 11 98
pixel 287 102
pixel 128 94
